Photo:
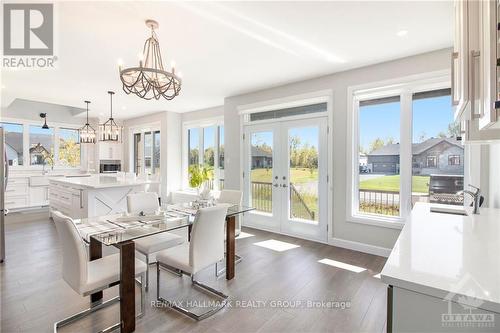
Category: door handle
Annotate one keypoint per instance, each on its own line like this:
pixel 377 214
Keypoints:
pixel 284 185
pixel 276 185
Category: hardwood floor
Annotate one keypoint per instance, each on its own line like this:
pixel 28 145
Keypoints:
pixel 34 296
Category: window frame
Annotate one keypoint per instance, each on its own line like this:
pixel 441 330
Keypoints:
pixel 452 157
pixel 436 161
pixel 152 129
pixel 405 87
pixel 201 125
pixel 56 126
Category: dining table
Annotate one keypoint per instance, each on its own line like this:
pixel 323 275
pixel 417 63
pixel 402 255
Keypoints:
pixel 120 231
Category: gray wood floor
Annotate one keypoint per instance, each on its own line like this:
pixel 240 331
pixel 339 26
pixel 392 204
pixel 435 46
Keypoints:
pixel 34 296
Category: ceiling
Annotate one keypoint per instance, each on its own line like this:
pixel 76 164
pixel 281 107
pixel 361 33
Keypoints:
pixel 222 48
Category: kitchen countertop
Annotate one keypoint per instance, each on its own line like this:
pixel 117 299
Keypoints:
pixel 445 255
pixel 101 181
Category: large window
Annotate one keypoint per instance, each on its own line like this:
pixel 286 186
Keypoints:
pixel 41 145
pixel 406 150
pixel 379 178
pixel 69 147
pixel 146 157
pixel 13 143
pixel 205 147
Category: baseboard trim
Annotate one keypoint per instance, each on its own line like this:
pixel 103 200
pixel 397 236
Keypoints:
pixel 361 247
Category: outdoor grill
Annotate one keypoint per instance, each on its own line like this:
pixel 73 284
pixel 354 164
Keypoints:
pixel 444 189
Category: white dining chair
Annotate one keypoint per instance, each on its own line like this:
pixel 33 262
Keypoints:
pixel 231 197
pixel 87 277
pixel 206 248
pixel 147 203
pixel 155 187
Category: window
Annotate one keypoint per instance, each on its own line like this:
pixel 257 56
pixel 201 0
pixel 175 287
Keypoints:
pixel 431 161
pixel 41 146
pixel 69 147
pixel 399 154
pixel 434 180
pixel 13 143
pixel 453 159
pixel 205 147
pixel 156 152
pixel 146 157
pixel 137 154
pixel 148 150
pixel 379 180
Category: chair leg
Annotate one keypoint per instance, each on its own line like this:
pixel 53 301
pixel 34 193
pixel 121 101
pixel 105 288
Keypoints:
pixel 224 298
pixel 147 272
pixel 218 272
pixel 144 288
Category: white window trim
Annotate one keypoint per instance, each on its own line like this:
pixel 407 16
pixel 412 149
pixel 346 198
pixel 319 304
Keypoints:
pixel 404 87
pixel 200 124
pixel 26 146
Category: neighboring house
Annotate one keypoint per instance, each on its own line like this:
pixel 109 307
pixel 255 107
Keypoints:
pixel 433 156
pixel 363 159
pixel 261 158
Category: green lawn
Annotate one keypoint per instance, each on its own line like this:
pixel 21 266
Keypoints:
pixel 297 175
pixel 391 183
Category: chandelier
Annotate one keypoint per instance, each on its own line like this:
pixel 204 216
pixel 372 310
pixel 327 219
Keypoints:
pixel 150 80
pixel 110 131
pixel 87 132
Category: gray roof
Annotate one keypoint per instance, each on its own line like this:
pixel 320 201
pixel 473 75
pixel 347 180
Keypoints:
pixel 418 148
pixel 259 152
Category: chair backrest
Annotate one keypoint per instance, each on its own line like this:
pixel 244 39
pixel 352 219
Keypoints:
pixel 233 197
pixel 207 237
pixel 155 187
pixel 73 250
pixel 146 202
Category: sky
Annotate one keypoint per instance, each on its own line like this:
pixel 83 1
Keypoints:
pixel 430 116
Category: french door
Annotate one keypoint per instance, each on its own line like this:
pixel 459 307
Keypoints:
pixel 285 177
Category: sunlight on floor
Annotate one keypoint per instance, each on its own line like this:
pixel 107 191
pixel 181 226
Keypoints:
pixel 342 265
pixel 244 235
pixel 377 276
pixel 276 245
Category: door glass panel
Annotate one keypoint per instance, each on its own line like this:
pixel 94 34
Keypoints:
pixel 137 153
pixel 156 152
pixel 303 173
pixel 209 152
pixel 261 166
pixel 379 178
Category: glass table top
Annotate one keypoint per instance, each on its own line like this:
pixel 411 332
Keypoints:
pixel 118 228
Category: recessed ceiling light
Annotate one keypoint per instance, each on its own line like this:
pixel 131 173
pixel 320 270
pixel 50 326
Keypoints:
pixel 120 62
pixel 3 86
pixel 402 33
pixel 124 107
pixel 101 114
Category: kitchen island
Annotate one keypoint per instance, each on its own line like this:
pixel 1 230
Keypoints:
pixel 93 195
pixel 443 274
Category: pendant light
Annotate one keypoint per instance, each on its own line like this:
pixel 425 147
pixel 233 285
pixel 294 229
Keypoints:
pixel 87 132
pixel 110 131
pixel 44 117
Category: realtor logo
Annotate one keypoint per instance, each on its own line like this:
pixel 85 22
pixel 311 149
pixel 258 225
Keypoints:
pixel 28 29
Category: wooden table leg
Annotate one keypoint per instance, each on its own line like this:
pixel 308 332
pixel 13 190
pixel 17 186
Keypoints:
pixel 190 227
pixel 95 252
pixel 230 246
pixel 127 286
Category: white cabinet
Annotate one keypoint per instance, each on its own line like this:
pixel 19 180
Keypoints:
pixel 110 151
pixel 459 60
pixel 474 70
pixel 17 193
pixel 68 200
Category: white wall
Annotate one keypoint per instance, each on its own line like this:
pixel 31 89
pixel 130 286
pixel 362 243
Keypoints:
pixel 217 111
pixel 338 84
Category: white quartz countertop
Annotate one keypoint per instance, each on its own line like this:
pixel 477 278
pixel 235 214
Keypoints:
pixel 101 181
pixel 448 256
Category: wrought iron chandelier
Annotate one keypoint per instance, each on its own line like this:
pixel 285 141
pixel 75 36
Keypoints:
pixel 87 132
pixel 150 80
pixel 110 131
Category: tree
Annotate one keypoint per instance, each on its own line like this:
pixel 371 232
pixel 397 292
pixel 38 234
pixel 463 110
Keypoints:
pixel 422 136
pixel 69 152
pixel 376 144
pixel 390 140
pixel 441 134
pixel 454 129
